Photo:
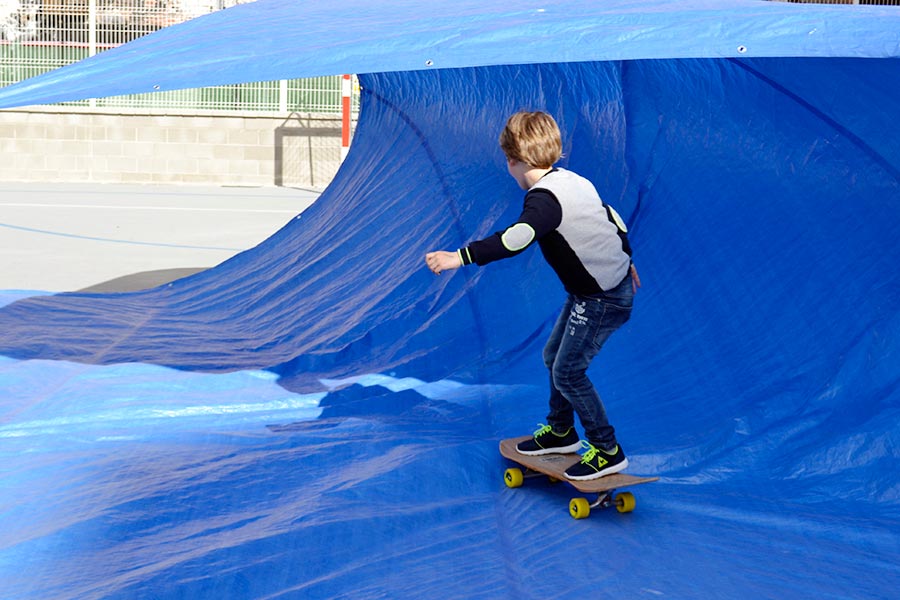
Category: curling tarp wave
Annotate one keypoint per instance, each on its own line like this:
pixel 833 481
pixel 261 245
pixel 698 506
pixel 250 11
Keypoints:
pixel 318 417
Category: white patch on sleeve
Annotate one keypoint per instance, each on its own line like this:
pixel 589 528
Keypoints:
pixel 517 237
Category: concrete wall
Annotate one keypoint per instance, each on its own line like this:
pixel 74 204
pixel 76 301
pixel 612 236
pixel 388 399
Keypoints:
pixel 94 146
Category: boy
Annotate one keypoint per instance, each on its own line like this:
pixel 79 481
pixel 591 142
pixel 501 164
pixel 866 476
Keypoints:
pixel 585 243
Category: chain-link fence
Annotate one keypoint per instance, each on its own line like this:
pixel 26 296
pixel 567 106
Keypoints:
pixel 40 35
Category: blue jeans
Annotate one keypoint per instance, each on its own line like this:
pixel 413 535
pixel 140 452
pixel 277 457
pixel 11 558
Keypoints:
pixel 583 326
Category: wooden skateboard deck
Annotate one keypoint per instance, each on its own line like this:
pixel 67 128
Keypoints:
pixel 555 465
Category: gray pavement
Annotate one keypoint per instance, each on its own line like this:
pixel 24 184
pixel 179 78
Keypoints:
pixel 68 237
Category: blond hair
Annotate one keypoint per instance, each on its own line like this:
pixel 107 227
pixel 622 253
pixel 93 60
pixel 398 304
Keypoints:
pixel 532 138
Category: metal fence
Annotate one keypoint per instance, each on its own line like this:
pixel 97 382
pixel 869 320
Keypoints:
pixel 40 35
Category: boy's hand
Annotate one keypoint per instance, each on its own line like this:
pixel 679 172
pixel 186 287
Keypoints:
pixel 442 261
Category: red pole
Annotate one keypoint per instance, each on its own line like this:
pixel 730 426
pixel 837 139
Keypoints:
pixel 345 116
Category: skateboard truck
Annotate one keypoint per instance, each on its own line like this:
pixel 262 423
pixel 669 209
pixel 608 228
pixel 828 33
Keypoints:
pixel 579 508
pixel 623 501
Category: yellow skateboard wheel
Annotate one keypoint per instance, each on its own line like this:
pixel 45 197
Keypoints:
pixel 579 508
pixel 513 478
pixel 625 502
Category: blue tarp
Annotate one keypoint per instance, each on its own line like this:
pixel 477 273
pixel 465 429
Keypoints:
pixel 318 417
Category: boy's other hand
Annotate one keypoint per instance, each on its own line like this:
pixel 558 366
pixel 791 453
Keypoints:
pixel 442 261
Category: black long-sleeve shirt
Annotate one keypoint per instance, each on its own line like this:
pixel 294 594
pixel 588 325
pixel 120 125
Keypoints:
pixel 582 239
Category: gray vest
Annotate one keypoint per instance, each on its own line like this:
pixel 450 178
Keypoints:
pixel 592 232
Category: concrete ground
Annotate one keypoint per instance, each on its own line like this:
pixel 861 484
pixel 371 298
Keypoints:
pixel 70 237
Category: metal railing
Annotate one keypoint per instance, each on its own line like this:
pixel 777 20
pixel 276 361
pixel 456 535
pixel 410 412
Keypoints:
pixel 41 35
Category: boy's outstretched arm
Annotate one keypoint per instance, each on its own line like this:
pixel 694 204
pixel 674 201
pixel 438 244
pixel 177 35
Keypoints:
pixel 441 260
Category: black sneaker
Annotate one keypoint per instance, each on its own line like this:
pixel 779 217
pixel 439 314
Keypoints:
pixel 547 441
pixel 596 463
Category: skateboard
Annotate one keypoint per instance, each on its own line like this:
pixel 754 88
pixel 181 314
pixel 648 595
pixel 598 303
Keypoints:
pixel 554 467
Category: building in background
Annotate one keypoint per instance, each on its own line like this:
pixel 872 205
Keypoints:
pixel 285 133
